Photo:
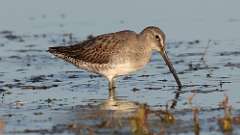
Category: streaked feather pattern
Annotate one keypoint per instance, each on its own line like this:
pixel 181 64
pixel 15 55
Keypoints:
pixel 98 50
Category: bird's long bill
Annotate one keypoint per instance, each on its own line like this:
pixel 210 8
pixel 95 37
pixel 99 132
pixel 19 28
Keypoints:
pixel 171 68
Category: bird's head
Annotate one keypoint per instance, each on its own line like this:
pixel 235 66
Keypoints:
pixel 156 39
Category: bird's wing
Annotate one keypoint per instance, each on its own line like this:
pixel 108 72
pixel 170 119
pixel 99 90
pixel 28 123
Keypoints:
pixel 97 50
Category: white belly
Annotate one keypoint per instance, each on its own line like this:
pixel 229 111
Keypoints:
pixel 120 69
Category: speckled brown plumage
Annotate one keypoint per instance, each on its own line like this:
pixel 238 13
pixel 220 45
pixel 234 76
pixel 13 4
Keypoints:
pixel 115 54
pixel 97 50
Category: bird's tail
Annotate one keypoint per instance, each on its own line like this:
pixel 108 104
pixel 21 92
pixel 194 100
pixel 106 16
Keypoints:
pixel 57 51
pixel 64 53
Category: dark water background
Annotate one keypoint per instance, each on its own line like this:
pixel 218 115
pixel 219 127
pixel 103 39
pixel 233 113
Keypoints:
pixel 44 95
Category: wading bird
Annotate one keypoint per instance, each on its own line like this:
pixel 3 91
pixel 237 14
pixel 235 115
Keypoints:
pixel 116 54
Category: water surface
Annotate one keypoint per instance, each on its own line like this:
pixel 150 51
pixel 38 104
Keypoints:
pixel 44 95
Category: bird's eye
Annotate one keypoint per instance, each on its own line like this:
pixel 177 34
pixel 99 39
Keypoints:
pixel 157 37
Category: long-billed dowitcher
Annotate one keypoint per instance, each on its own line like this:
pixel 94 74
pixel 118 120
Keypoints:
pixel 116 54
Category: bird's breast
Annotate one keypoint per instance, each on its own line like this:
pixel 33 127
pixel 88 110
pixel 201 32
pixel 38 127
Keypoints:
pixel 126 67
pixel 128 61
pixel 120 69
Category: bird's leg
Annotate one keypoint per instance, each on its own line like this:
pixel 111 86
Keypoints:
pixel 112 89
pixel 111 84
pixel 111 94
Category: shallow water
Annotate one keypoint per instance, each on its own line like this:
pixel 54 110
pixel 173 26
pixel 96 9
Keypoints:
pixel 44 95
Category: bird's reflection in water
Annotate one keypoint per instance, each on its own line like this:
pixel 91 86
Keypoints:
pixel 118 106
pixel 120 116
